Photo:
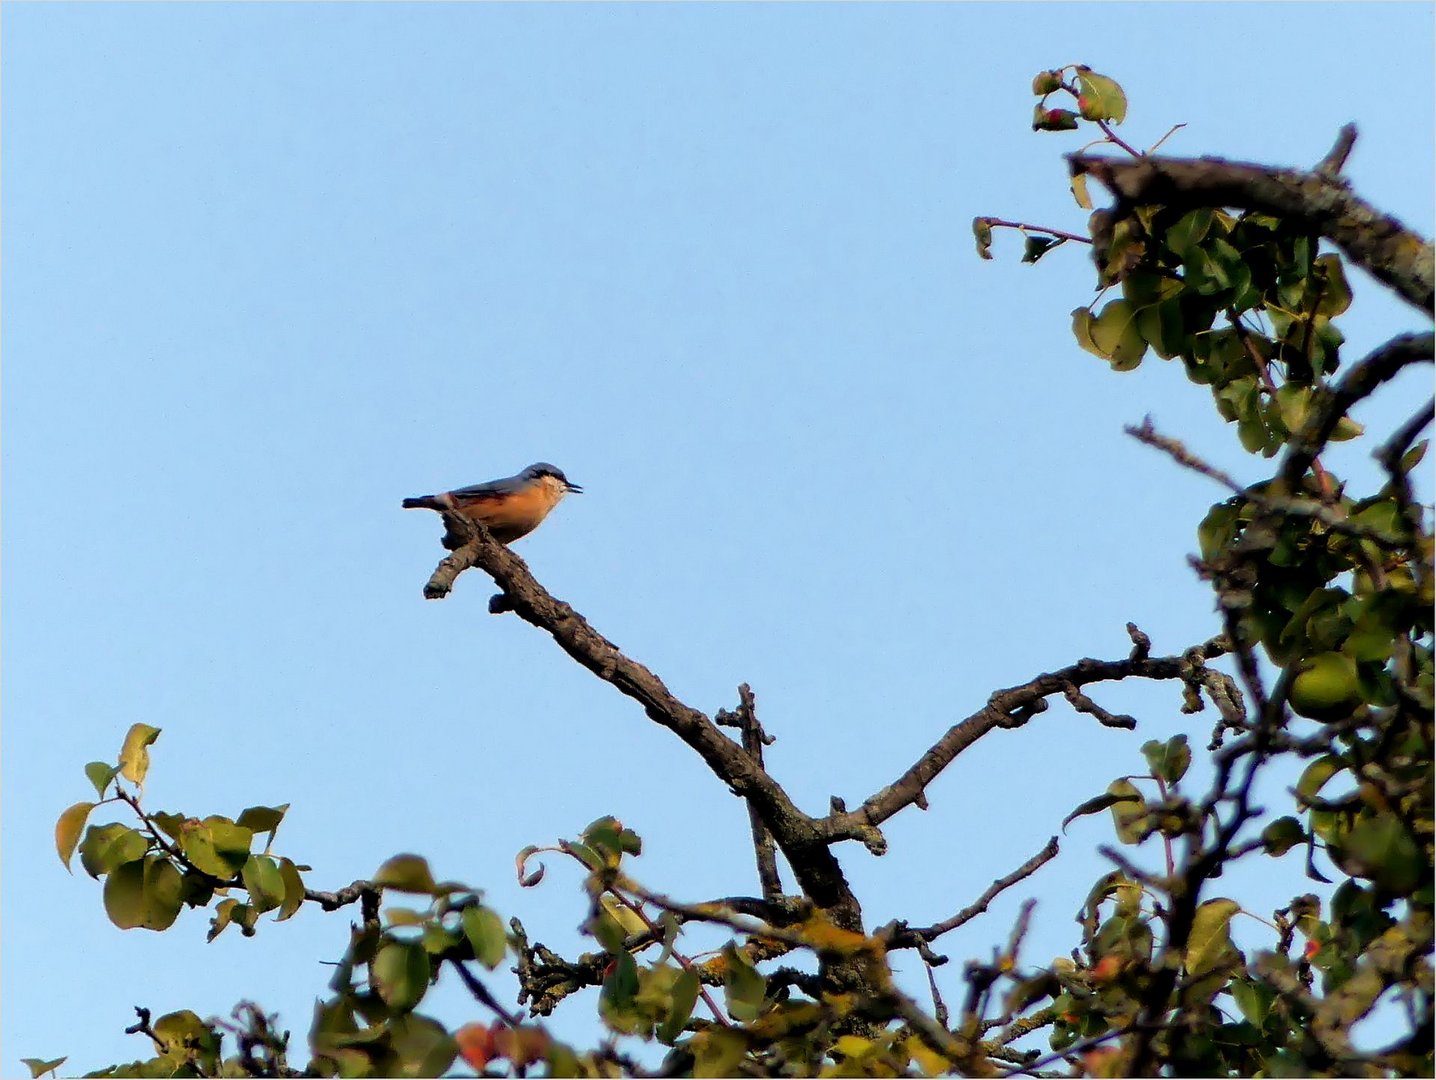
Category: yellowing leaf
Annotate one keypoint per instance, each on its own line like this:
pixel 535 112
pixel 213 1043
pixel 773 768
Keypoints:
pixel 134 755
pixel 406 873
pixel 68 828
pixel 1211 935
pixel 628 919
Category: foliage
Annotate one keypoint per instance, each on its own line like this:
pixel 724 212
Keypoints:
pixel 1325 600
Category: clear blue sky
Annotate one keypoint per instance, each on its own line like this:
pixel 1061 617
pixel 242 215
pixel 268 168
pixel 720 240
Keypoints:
pixel 269 269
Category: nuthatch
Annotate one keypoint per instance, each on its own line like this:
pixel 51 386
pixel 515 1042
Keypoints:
pixel 511 507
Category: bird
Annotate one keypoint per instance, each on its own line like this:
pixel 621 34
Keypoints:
pixel 511 508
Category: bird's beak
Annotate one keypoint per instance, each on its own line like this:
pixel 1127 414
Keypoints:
pixel 573 488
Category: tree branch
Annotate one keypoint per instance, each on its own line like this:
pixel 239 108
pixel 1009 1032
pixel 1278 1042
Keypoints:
pixel 1377 242
pixel 1359 382
pixel 754 739
pixel 1006 708
pixel 902 937
pixel 817 871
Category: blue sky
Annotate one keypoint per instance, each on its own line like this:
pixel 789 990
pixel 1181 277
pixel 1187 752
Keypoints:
pixel 270 268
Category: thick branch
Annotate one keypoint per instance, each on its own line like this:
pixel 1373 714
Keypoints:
pixel 818 873
pixel 1006 708
pixel 1375 241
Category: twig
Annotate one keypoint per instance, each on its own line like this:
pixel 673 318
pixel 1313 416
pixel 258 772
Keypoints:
pixel 1174 129
pixel 352 893
pixel 1148 435
pixel 754 739
pixel 1378 367
pixel 1335 159
pixel 142 1027
pixel 907 938
pixel 1024 227
pixel 1006 708
pixel 482 995
pixel 939 1007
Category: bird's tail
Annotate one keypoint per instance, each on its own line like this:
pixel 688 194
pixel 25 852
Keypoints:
pixel 423 502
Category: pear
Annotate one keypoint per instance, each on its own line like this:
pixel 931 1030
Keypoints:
pixel 1326 687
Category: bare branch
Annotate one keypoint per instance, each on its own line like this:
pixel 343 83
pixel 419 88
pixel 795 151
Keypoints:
pixel 1006 708
pixel 482 995
pixel 903 937
pixel 754 739
pixel 818 873
pixel 1335 159
pixel 1333 519
pixel 1359 382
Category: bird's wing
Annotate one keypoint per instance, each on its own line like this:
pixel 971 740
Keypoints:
pixel 494 489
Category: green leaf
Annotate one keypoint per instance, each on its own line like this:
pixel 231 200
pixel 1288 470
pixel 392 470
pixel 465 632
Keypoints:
pixel 1161 326
pixel 982 232
pixel 1253 998
pixel 1099 97
pixel 184 1037
pixel 262 819
pixel 1044 119
pixel 264 882
pixel 1335 292
pixel 1169 760
pixel 620 987
pixel 1189 231
pixel 224 913
pixel 146 894
pixel 1315 775
pixel 1380 848
pixel 107 846
pixel 1114 332
pixel 485 931
pixel 1113 335
pixel 100 775
pixel 134 753
pixel 1129 810
pixel 1282 835
pixel 1035 247
pixel 680 1007
pixel 1210 936
pixel 293 890
pixel 406 873
pixel 1294 401
pixel 401 916
pixel 1412 457
pixel 743 987
pixel 67 830
pixel 38 1067
pixel 1346 429
pixel 217 846
pixel 1079 191
pixel 717 1052
pixel 602 837
pixel 423 1046
pixel 1218 529
pixel 1097 804
pixel 1046 82
pixel 172 825
pixel 400 974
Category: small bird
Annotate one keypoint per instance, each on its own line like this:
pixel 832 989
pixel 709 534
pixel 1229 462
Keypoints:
pixel 511 507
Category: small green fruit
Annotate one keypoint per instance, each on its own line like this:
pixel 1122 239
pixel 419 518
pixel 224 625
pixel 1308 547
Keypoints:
pixel 1326 687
